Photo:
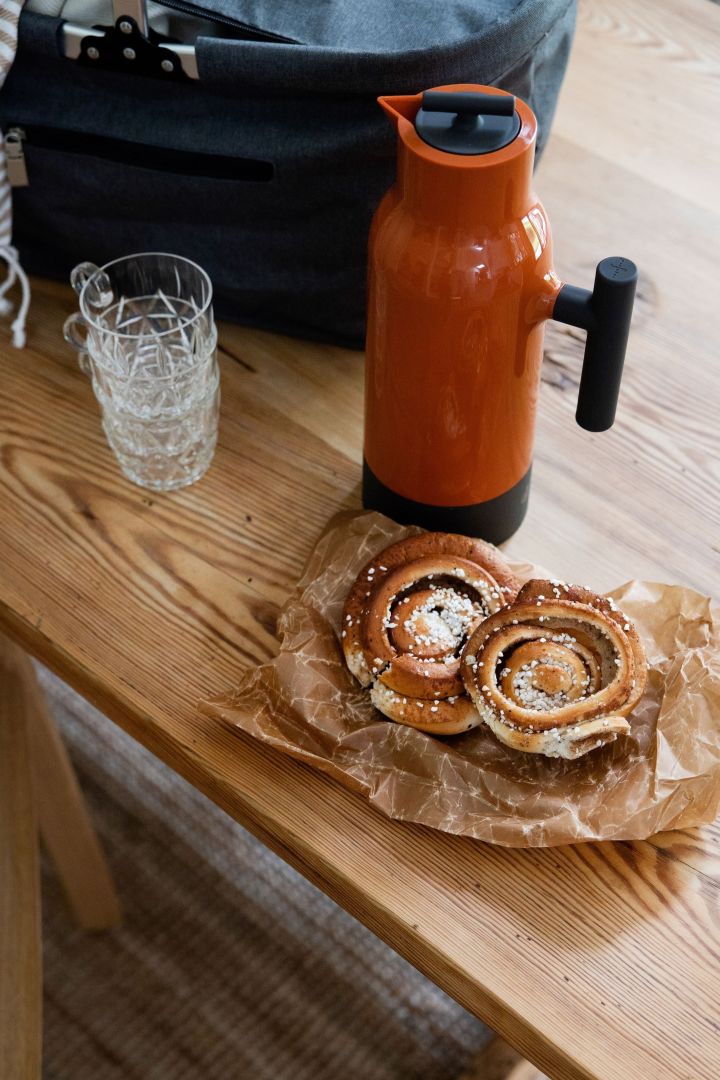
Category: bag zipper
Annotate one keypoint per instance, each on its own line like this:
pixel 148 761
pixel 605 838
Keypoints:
pixel 157 158
pixel 15 157
pixel 253 33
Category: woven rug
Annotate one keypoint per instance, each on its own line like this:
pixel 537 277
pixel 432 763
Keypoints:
pixel 228 964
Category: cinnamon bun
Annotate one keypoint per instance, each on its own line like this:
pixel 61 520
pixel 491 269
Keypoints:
pixel 555 672
pixel 407 618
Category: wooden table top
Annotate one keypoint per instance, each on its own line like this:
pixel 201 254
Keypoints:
pixel 596 961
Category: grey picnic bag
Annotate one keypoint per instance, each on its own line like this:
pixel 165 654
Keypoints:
pixel 266 167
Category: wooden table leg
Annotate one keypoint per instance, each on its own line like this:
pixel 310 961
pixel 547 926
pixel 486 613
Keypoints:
pixel 20 946
pixel 65 825
pixel 498 1061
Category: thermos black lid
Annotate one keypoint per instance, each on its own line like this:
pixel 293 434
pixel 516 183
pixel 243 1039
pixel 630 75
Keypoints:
pixel 467 122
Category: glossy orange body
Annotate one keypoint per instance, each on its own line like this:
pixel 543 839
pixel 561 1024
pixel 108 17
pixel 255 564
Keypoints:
pixel 460 282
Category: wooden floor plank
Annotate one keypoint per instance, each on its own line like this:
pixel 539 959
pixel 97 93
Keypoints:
pixel 638 91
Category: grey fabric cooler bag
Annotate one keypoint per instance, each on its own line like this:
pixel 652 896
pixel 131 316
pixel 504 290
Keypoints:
pixel 266 169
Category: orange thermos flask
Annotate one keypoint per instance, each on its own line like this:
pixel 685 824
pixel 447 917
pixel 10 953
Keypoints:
pixel 461 281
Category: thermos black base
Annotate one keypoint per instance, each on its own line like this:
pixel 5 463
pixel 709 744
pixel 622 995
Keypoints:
pixel 495 520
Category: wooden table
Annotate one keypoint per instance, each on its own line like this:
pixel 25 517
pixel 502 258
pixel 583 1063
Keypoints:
pixel 597 961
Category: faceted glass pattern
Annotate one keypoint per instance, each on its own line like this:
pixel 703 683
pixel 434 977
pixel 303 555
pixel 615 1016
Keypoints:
pixel 150 350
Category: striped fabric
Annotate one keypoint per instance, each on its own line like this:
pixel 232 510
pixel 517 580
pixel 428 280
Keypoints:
pixel 9 14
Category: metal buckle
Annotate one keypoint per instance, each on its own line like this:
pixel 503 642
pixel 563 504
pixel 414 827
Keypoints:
pixel 129 45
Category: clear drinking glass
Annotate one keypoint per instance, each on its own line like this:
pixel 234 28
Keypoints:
pixel 147 338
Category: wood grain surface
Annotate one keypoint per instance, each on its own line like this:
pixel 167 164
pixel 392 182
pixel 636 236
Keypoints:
pixel 597 961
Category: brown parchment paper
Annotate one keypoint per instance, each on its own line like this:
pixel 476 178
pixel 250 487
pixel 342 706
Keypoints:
pixel 667 775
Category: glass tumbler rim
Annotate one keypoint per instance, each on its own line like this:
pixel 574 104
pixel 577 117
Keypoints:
pixel 155 334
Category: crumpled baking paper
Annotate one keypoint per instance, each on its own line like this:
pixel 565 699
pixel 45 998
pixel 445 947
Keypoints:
pixel 665 776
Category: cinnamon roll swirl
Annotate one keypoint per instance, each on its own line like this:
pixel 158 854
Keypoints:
pixel 556 672
pixel 407 618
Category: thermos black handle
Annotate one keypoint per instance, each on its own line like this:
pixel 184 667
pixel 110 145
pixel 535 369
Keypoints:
pixel 468 102
pixel 605 313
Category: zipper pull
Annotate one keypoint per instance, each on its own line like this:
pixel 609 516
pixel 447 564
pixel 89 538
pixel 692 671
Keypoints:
pixel 15 154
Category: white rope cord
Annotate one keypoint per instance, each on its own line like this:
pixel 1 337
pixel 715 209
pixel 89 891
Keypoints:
pixel 9 14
